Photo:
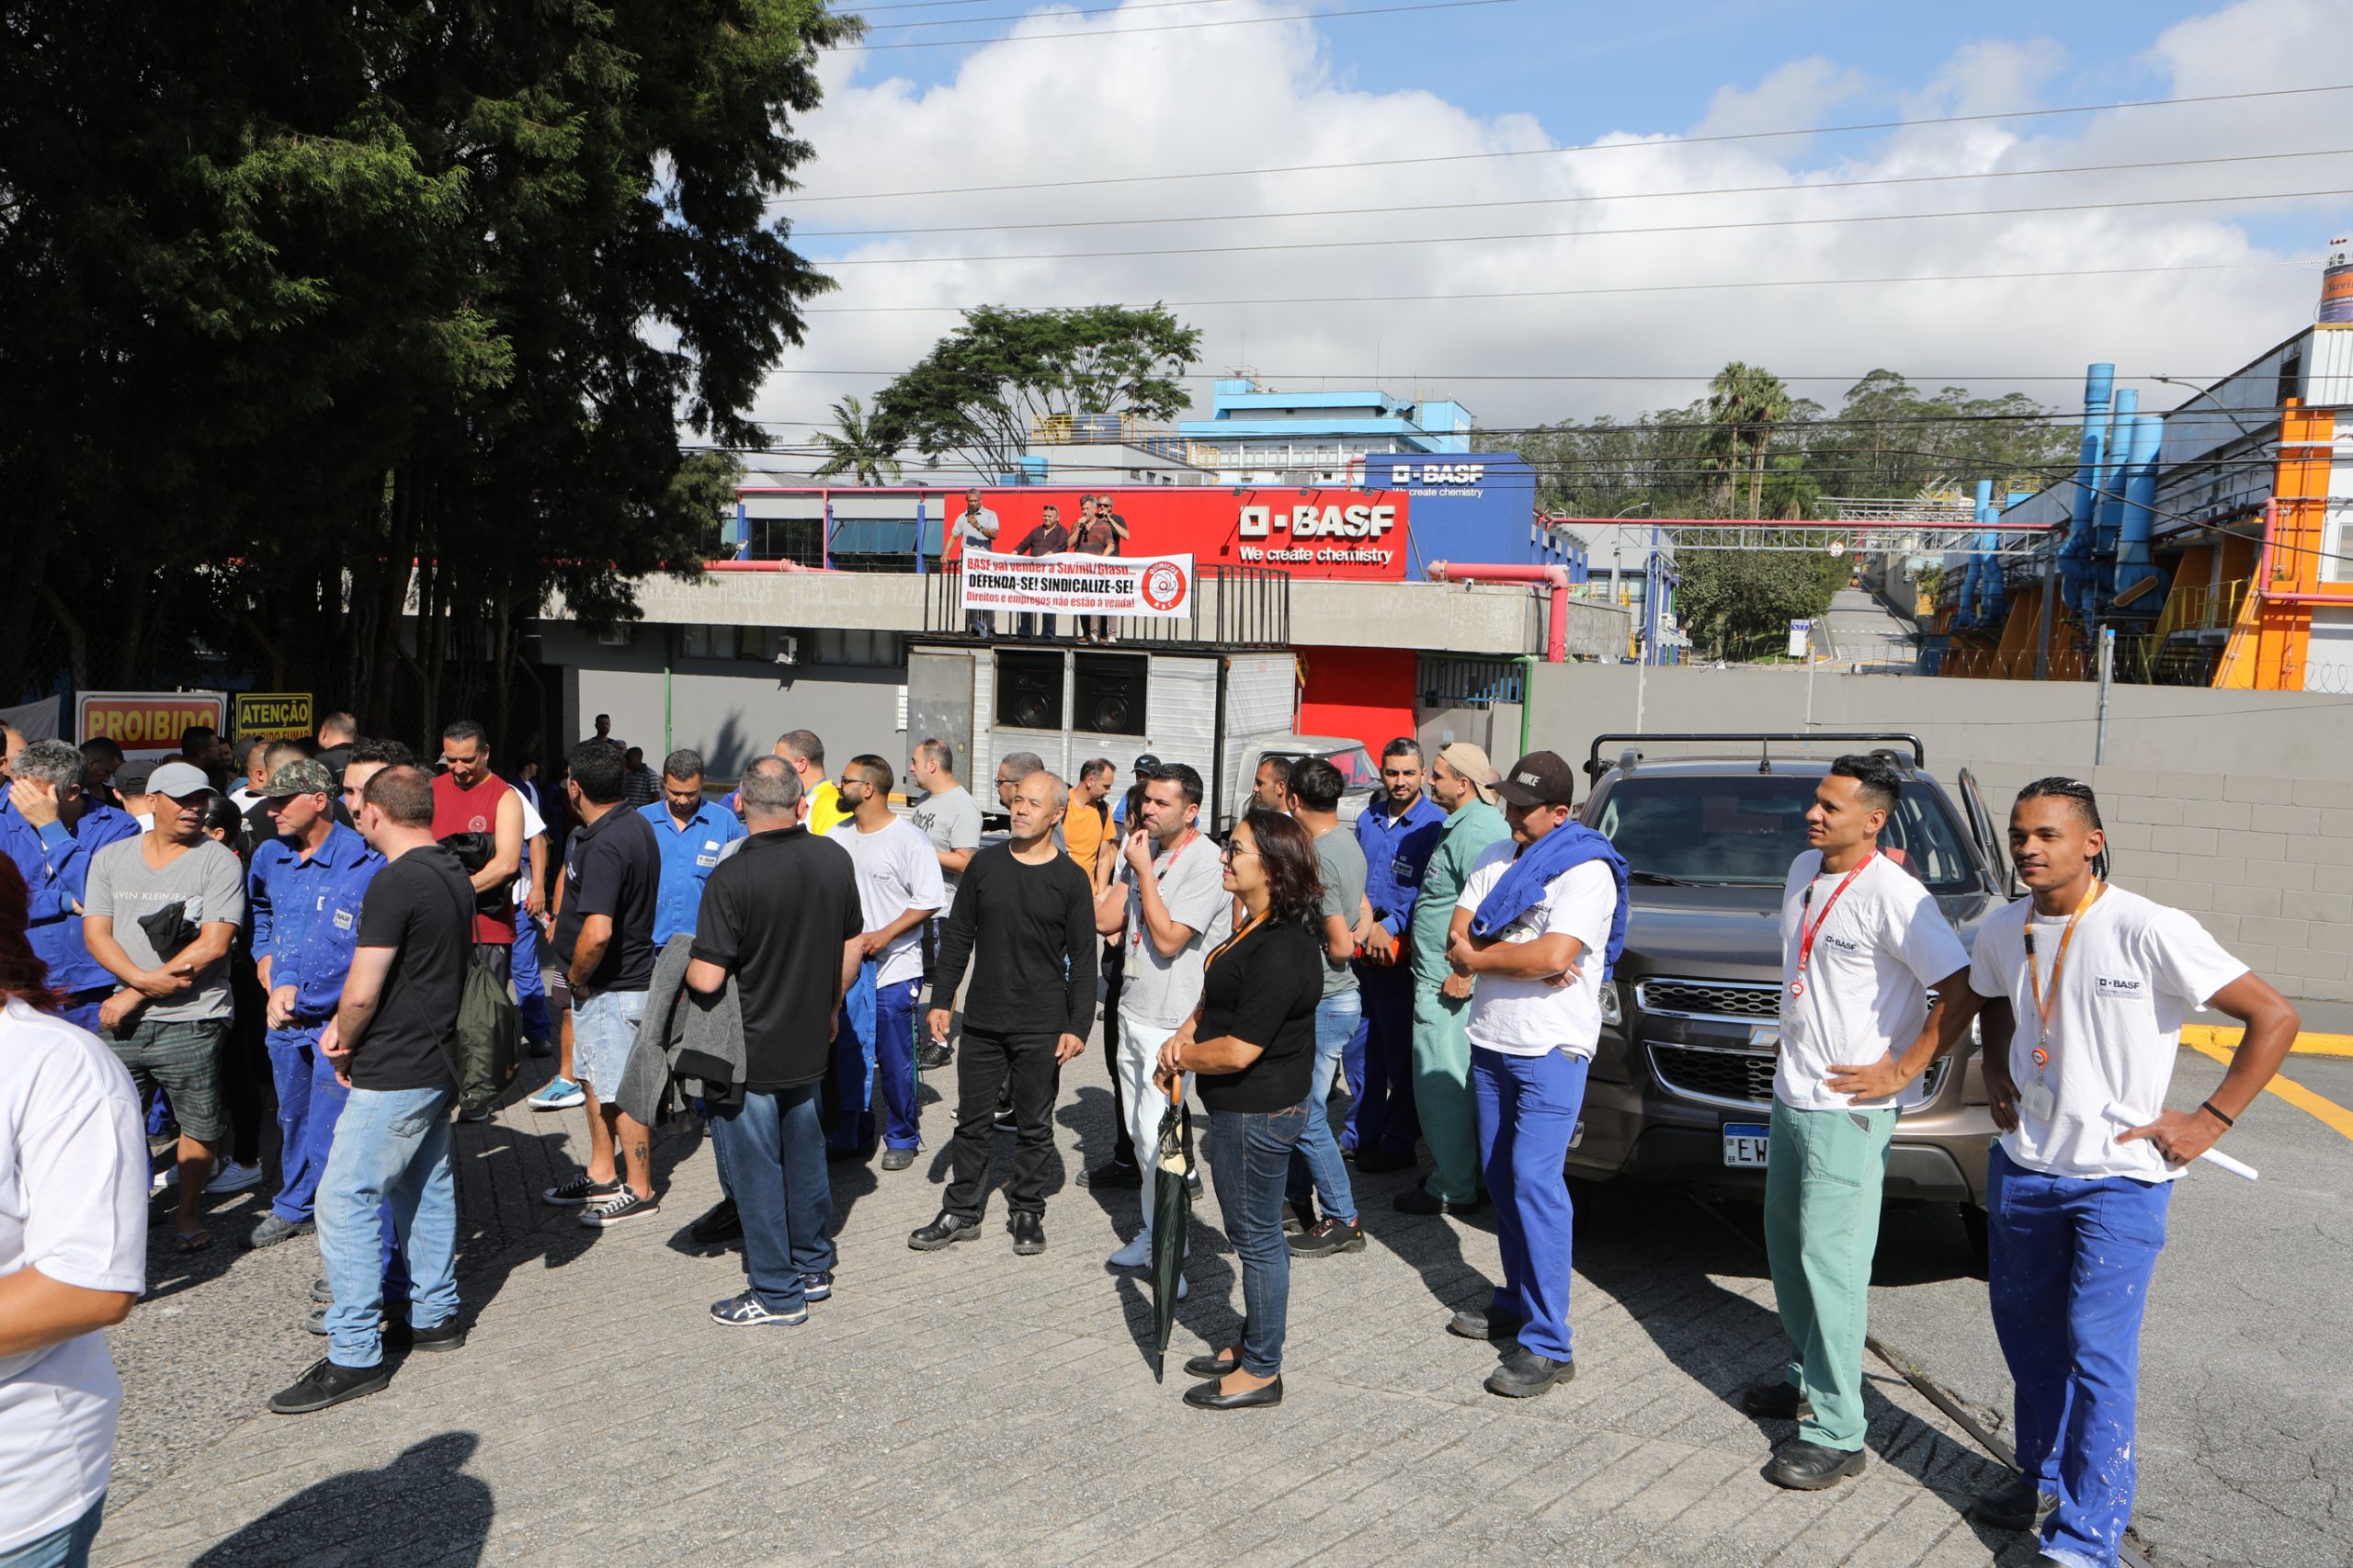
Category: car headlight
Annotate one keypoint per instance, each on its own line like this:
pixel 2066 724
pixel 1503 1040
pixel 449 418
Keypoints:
pixel 1613 1012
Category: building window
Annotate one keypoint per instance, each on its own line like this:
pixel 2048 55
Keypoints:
pixel 859 648
pixel 710 642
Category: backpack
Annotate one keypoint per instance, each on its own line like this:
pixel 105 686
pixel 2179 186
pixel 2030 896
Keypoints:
pixel 488 1048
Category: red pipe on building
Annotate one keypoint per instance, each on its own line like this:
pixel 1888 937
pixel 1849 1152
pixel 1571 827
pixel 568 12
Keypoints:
pixel 1556 631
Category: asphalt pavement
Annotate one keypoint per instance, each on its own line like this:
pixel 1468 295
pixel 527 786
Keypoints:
pixel 1002 1410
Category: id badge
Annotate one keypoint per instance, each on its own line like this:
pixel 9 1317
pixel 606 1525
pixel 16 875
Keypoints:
pixel 2036 1100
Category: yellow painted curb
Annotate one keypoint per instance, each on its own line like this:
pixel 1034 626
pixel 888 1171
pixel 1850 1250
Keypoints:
pixel 2210 1037
pixel 2327 1112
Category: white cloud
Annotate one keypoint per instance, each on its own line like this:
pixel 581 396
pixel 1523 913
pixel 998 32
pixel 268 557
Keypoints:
pixel 1246 96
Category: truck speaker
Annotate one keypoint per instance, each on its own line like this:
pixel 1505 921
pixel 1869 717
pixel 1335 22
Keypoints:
pixel 1029 691
pixel 1109 690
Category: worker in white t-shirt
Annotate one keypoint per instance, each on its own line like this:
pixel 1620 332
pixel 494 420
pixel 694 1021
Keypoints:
pixel 1862 945
pixel 899 887
pixel 72 1254
pixel 2086 986
pixel 1538 923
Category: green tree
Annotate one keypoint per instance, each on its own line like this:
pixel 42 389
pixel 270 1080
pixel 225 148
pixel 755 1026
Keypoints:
pixel 344 339
pixel 1731 599
pixel 1745 402
pixel 981 390
pixel 858 444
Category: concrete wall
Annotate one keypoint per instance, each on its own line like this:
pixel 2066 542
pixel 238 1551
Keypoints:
pixel 2235 805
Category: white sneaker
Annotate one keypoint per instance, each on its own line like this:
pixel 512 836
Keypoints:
pixel 1136 1254
pixel 169 1176
pixel 234 1178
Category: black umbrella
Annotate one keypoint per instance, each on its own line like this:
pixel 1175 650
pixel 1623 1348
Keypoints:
pixel 1172 1218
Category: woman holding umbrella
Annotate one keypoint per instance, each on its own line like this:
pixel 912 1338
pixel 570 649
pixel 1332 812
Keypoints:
pixel 1252 1048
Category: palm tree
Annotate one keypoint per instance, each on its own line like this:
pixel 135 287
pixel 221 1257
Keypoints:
pixel 858 444
pixel 1746 402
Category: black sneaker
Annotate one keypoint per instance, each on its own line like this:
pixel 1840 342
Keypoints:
pixel 1113 1173
pixel 580 1190
pixel 719 1223
pixel 1776 1399
pixel 1029 1234
pixel 1525 1374
pixel 326 1383
pixel 622 1206
pixel 942 1231
pixel 931 1056
pixel 448 1334
pixel 817 1286
pixel 897 1159
pixel 274 1228
pixel 1327 1236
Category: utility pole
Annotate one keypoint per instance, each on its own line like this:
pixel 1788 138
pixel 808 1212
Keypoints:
pixel 2107 675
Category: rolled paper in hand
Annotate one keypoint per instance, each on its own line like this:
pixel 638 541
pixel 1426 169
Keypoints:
pixel 2123 1118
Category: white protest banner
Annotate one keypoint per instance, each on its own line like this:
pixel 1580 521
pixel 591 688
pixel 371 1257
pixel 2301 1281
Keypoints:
pixel 1159 587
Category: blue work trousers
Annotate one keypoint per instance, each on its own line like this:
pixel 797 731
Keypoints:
pixel 1378 1065
pixel 531 985
pixel 875 1050
pixel 391 1147
pixel 775 1145
pixel 1315 1163
pixel 1527 1109
pixel 2068 1281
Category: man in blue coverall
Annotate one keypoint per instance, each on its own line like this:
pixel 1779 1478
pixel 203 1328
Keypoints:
pixel 1398 833
pixel 304 890
pixel 51 831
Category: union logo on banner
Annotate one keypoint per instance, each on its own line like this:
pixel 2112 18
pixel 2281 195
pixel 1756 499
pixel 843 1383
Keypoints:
pixel 1163 586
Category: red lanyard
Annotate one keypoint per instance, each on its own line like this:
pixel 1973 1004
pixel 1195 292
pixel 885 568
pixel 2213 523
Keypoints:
pixel 1159 875
pixel 2043 1003
pixel 1806 942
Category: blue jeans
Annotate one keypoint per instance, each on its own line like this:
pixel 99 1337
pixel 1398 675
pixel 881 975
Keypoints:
pixel 1527 1110
pixel 2068 1281
pixel 775 1147
pixel 1249 1158
pixel 391 1146
pixel 531 985
pixel 1380 1065
pixel 68 1545
pixel 1316 1162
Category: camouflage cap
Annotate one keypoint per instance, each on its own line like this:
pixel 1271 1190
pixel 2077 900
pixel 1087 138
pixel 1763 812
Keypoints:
pixel 303 776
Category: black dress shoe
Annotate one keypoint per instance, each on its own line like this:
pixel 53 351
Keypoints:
pixel 897 1159
pixel 1810 1467
pixel 942 1231
pixel 1209 1366
pixel 719 1223
pixel 2017 1504
pixel 931 1056
pixel 1479 1322
pixel 1209 1396
pixel 1029 1234
pixel 1525 1374
pixel 1776 1399
pixel 326 1383
pixel 1415 1200
pixel 1112 1174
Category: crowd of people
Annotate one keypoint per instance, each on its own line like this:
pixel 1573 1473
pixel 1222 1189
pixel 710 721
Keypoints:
pixel 172 959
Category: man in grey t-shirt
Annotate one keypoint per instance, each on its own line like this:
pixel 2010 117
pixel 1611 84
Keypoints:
pixel 159 913
pixel 977 528
pixel 950 818
pixel 1315 1165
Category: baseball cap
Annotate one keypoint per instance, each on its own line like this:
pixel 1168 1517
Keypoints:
pixel 1147 762
pixel 303 776
pixel 1471 763
pixel 178 781
pixel 1540 778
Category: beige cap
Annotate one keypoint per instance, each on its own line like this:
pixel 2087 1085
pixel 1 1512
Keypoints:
pixel 1473 763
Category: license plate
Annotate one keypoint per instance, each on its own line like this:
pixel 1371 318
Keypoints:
pixel 1744 1143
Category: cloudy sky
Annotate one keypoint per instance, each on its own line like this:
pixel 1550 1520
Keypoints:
pixel 1612 118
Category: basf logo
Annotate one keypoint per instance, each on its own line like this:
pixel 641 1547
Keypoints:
pixel 1307 532
pixel 1354 526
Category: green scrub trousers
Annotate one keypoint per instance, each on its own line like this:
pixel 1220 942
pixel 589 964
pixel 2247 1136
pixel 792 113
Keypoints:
pixel 1824 1173
pixel 1442 1091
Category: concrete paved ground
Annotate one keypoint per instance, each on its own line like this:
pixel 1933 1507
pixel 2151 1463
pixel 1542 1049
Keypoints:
pixel 1002 1409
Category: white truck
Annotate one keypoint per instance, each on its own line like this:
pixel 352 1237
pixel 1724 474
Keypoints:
pixel 1221 712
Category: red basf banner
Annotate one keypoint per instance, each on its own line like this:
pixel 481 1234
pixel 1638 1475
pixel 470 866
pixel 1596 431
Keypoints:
pixel 1309 533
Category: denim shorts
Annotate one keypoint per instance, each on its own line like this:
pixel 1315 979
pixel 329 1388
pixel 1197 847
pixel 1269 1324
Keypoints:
pixel 604 1027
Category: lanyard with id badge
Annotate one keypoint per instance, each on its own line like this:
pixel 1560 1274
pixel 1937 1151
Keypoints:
pixel 1806 940
pixel 1159 876
pixel 2038 1098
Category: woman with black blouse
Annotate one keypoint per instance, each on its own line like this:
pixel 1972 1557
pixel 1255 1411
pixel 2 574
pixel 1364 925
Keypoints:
pixel 1252 1050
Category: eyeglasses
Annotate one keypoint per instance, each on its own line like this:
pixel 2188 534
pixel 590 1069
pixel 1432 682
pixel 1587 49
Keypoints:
pixel 1234 852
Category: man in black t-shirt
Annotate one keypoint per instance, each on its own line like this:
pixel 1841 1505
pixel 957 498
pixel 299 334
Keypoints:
pixel 612 885
pixel 1024 917
pixel 782 916
pixel 390 1042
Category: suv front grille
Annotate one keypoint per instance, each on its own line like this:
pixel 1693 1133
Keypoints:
pixel 1742 1077
pixel 1710 998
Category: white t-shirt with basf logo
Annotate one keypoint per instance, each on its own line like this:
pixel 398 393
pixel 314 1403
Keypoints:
pixel 1879 948
pixel 2133 972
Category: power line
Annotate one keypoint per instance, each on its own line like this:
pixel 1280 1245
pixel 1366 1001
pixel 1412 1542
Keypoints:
pixel 1583 233
pixel 1561 376
pixel 1391 210
pixel 1627 289
pixel 1019 16
pixel 1182 26
pixel 1650 145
